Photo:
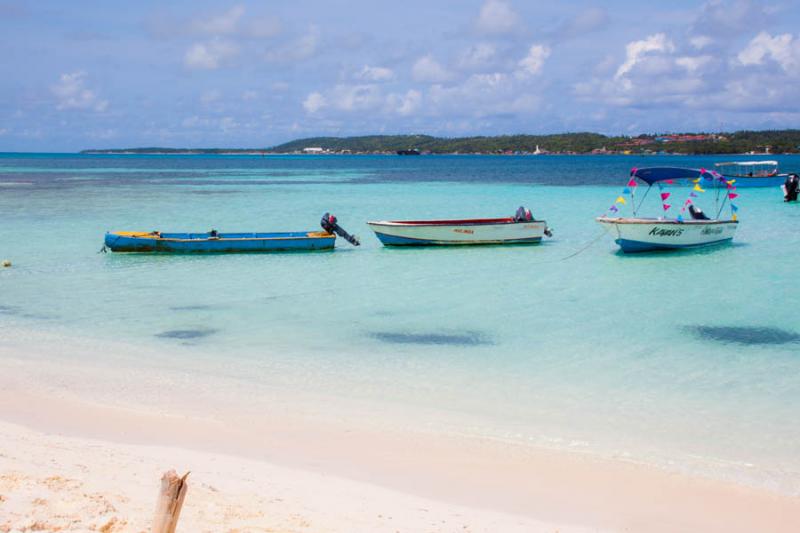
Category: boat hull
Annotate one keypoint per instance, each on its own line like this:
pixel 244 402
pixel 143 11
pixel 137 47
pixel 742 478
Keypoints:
pixel 186 243
pixel 746 182
pixel 646 235
pixel 447 233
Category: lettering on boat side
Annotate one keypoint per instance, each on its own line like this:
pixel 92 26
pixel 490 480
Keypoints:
pixel 459 230
pixel 661 232
pixel 711 231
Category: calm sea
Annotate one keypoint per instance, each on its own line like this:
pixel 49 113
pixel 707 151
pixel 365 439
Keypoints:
pixel 689 360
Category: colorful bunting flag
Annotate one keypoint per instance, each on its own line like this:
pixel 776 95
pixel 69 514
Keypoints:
pixel 693 195
pixel 734 208
pixel 626 190
pixel 687 202
pixel 632 183
pixel 696 180
pixel 620 200
pixel 665 195
pixel 698 188
pixel 613 208
pixel 734 217
pixel 732 195
pixel 730 182
pixel 669 181
pixel 666 207
pixel 633 171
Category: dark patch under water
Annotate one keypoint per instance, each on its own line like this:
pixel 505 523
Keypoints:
pixel 8 310
pixel 746 335
pixel 186 334
pixel 467 338
pixel 197 307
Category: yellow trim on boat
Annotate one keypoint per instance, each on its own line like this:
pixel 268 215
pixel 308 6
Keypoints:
pixel 138 234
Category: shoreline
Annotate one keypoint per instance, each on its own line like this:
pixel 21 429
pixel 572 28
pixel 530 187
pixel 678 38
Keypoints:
pixel 538 486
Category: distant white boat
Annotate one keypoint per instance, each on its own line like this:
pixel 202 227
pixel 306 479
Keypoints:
pixel 639 234
pixel 752 173
pixel 520 229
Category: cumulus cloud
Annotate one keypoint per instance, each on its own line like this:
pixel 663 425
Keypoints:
pixel 221 24
pixel 482 95
pixel 72 93
pixel 314 102
pixel 210 55
pixel 235 22
pixel 405 104
pixel 783 49
pixel 303 47
pixel 701 41
pixel 585 21
pixel 375 74
pixel 532 63
pixel 427 69
pixel 636 50
pixel 478 57
pixel 496 18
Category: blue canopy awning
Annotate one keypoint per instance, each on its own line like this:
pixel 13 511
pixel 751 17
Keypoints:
pixel 655 174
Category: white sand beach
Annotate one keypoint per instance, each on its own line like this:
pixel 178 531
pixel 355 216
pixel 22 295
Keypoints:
pixel 69 464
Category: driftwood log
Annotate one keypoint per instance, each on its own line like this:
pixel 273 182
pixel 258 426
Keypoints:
pixel 170 501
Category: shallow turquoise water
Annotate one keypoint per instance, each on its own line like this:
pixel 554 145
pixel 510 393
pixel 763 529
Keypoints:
pixel 627 355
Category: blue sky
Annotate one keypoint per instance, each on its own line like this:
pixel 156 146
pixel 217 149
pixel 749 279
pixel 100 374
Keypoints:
pixel 83 74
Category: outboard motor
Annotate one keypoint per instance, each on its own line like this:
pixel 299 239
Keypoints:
pixel 523 215
pixel 330 225
pixel 697 213
pixel 791 188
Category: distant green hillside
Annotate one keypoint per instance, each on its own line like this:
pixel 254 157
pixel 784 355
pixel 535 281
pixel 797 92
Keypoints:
pixel 577 142
pixel 776 141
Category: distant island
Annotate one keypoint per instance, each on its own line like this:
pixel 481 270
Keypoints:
pixel 739 142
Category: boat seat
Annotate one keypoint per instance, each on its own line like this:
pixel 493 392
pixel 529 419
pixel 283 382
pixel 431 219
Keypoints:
pixel 697 213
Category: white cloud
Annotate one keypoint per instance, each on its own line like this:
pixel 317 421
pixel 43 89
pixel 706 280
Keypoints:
pixel 478 56
pixel 532 64
pixel 427 69
pixel 223 24
pixel 693 63
pixel 496 18
pixel 209 56
pixel 72 93
pixel 375 74
pixel 481 95
pixel 636 50
pixel 314 102
pixel 783 49
pixel 405 104
pixel 701 41
pixel 299 49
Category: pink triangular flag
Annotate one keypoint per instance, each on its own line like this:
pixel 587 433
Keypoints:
pixel 732 195
pixel 687 202
pixel 666 207
pixel 665 195
pixel 632 183
pixel 669 181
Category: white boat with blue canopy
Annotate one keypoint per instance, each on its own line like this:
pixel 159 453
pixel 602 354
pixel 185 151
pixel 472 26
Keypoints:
pixel 688 227
pixel 217 242
pixel 752 173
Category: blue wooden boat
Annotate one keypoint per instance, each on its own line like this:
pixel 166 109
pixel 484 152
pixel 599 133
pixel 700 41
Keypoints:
pixel 216 242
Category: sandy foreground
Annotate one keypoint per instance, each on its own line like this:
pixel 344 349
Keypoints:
pixel 70 460
pixel 56 483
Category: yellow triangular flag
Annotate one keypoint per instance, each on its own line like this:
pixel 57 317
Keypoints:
pixel 696 181
pixel 620 200
pixel 698 189
pixel 731 182
pixel 734 217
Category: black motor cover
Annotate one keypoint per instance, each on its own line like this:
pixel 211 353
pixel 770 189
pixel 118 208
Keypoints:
pixel 330 225
pixel 791 188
